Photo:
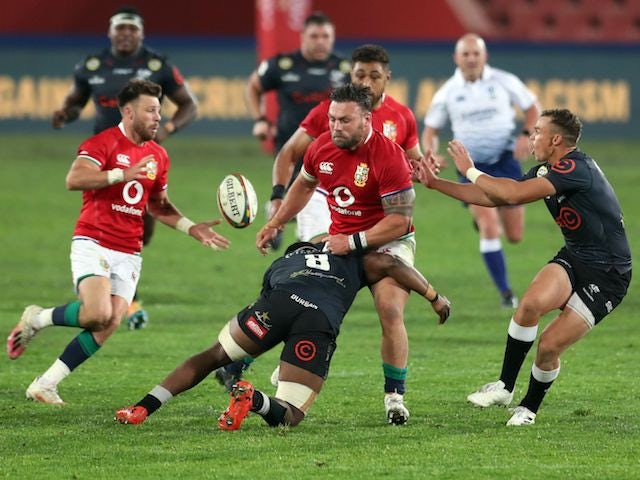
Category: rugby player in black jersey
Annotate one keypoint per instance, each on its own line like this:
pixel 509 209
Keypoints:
pixel 305 296
pixel 588 277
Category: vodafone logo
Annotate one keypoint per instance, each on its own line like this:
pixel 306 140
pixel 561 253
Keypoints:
pixel 326 167
pixel 305 350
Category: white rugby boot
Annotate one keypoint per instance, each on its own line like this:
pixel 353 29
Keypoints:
pixel 275 375
pixel 41 391
pixel 491 394
pixel 521 416
pixel 23 332
pixel 397 413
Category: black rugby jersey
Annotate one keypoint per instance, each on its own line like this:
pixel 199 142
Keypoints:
pixel 323 281
pixel 102 76
pixel 586 209
pixel 300 85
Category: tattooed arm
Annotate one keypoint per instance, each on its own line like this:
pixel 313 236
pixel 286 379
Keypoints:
pixel 398 215
pixel 398 209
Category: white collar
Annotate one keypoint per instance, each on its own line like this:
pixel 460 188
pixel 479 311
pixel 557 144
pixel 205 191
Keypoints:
pixel 487 72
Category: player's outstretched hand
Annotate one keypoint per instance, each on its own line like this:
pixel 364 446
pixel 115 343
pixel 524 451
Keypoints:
pixel 442 306
pixel 266 234
pixel 204 233
pixel 58 119
pixel 425 171
pixel 460 156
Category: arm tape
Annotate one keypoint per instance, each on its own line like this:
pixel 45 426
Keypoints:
pixel 184 224
pixel 115 175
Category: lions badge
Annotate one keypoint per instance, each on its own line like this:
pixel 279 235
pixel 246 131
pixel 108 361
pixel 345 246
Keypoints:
pixel 152 169
pixel 362 175
pixel 542 171
pixel 390 130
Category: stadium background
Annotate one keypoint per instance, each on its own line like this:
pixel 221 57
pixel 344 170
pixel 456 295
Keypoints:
pixel 582 54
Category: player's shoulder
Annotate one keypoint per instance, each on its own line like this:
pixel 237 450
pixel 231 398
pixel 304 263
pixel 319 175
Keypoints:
pixel 93 61
pixel 501 76
pixel 396 106
pixel 378 140
pixel 155 61
pixel 322 140
pixel 574 163
pixel 450 86
pixel 286 60
pixel 149 53
pixel 321 108
pixel 337 61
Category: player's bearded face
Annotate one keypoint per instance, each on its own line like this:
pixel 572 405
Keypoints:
pixel 348 124
pixel 146 117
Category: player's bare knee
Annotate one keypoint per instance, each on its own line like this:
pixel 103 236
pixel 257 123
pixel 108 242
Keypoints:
pixel 529 310
pixel 514 237
pixel 98 318
pixel 548 347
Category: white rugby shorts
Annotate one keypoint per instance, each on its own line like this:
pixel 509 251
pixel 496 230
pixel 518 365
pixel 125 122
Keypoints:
pixel 403 248
pixel 88 258
pixel 314 219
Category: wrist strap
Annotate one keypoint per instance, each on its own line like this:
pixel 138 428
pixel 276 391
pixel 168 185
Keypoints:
pixel 358 241
pixel 473 174
pixel 277 192
pixel 115 175
pixel 435 299
pixel 184 224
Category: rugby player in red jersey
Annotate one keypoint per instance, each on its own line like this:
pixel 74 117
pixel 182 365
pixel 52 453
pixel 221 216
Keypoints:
pixel 370 197
pixel 99 78
pixel 122 173
pixel 370 68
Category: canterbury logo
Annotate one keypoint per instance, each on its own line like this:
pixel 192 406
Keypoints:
pixel 326 167
pixel 122 159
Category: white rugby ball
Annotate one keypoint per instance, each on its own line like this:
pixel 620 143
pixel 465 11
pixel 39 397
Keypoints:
pixel 237 200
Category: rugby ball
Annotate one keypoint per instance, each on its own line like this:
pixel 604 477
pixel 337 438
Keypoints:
pixel 237 200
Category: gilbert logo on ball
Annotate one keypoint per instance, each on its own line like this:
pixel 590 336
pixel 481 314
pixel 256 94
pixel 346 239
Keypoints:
pixel 237 200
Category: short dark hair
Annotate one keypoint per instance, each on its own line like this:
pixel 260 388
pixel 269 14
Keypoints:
pixel 317 18
pixel 136 87
pixel 369 53
pixel 353 93
pixel 566 122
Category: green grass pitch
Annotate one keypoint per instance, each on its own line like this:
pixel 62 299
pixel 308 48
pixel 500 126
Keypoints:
pixel 588 427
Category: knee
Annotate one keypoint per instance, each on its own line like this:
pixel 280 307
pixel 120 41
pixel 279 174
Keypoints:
pixel 548 347
pixel 391 317
pixel 514 237
pixel 529 310
pixel 98 318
